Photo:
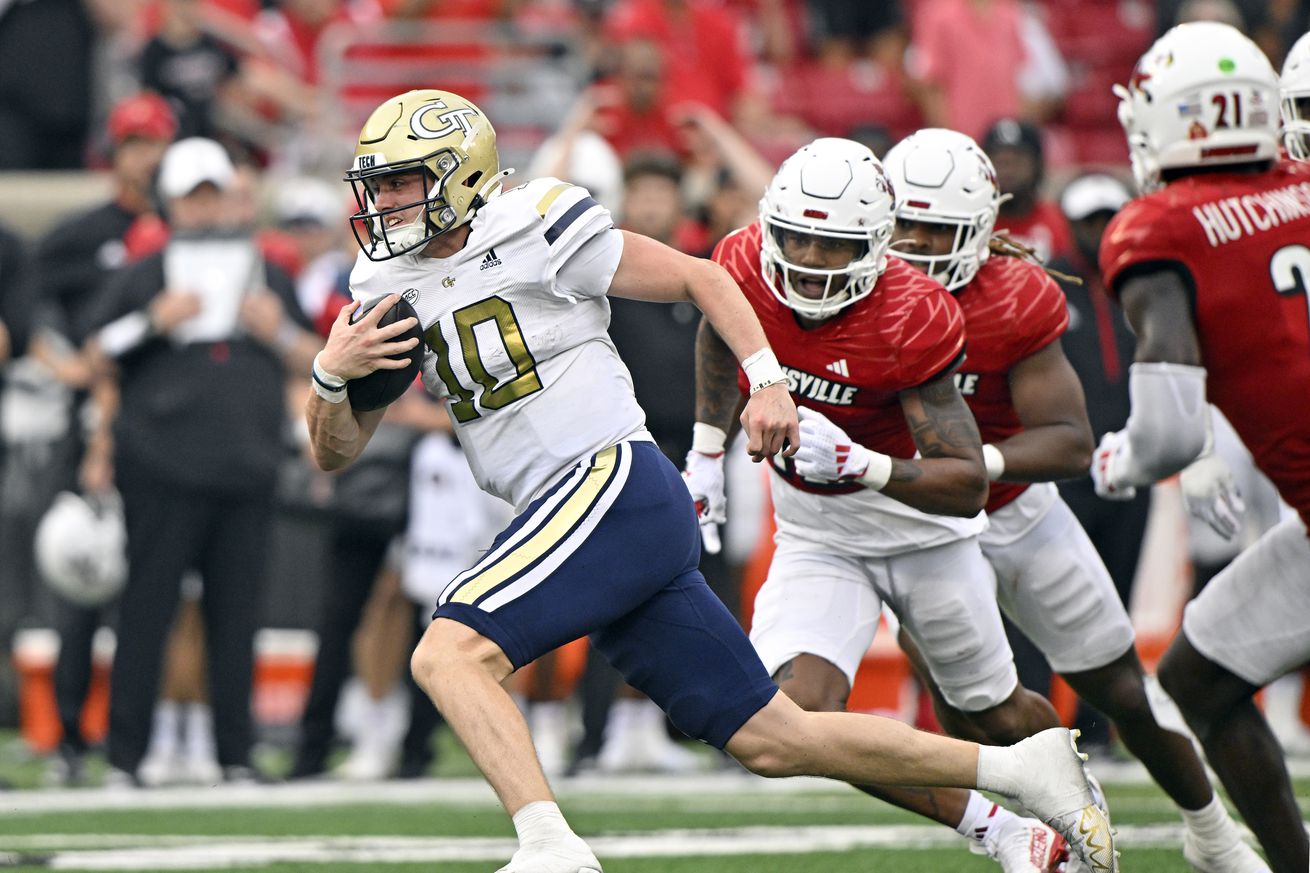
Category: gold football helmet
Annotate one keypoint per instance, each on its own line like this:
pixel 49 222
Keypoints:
pixel 439 134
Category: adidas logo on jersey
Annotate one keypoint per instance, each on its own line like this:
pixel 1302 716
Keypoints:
pixel 838 367
pixel 490 260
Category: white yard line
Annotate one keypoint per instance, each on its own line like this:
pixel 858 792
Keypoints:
pixel 443 791
pixel 449 791
pixel 165 853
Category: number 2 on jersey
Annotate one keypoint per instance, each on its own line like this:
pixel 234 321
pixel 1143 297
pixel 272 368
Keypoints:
pixel 495 395
pixel 1289 269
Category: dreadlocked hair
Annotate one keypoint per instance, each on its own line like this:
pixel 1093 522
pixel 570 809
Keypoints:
pixel 1005 246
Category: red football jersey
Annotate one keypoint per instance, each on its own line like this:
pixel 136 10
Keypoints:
pixel 1243 238
pixel 1012 309
pixel 852 368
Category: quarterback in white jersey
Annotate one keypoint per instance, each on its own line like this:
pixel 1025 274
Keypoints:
pixel 544 353
pixel 510 289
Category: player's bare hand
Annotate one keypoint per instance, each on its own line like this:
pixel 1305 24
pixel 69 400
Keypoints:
pixel 95 475
pixel 355 350
pixel 262 315
pixel 171 308
pixel 769 420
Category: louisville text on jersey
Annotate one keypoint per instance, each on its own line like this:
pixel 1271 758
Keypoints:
pixel 1231 218
pixel 813 387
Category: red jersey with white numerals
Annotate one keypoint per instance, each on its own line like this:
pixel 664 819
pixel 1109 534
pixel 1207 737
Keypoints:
pixel 1012 309
pixel 1245 241
pixel 853 367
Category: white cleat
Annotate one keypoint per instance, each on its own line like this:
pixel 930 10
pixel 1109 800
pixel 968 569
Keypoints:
pixel 160 770
pixel 565 856
pixel 1025 845
pixel 1076 864
pixel 1225 854
pixel 1059 794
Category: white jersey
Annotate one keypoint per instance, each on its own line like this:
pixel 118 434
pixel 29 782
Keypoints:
pixel 862 524
pixel 515 336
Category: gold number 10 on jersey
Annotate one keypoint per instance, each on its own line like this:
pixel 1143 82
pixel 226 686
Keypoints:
pixel 494 396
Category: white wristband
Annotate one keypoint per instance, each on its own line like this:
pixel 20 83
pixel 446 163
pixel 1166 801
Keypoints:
pixel 878 473
pixel 762 370
pixel 707 439
pixel 994 461
pixel 326 385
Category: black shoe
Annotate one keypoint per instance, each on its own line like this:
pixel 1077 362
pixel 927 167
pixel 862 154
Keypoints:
pixel 581 765
pixel 414 768
pixel 306 768
pixel 67 768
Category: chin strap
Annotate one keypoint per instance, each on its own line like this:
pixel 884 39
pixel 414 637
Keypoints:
pixel 487 191
pixel 493 186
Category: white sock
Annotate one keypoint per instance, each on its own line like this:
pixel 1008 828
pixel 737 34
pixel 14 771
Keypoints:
pixel 549 715
pixel 999 770
pixel 165 730
pixel 200 733
pixel 627 712
pixel 624 715
pixel 541 822
pixel 979 816
pixel 1210 820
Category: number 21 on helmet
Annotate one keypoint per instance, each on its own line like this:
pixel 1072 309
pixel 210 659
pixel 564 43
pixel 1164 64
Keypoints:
pixel 1203 95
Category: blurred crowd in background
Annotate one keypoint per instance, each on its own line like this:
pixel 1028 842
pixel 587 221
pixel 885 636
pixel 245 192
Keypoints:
pixel 674 113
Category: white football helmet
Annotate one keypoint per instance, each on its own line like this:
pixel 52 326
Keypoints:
pixel 1203 95
pixel 944 177
pixel 81 548
pixel 835 188
pixel 1294 103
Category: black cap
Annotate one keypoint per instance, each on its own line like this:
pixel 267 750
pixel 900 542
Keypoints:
pixel 1013 133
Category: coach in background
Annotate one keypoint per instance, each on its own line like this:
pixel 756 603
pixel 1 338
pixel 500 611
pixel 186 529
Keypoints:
pixel 201 335
pixel 16 300
pixel 76 258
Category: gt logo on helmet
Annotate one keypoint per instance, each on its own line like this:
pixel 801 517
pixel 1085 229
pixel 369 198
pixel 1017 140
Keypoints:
pixel 451 120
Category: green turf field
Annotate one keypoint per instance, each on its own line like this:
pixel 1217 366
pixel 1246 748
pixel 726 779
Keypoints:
pixel 719 822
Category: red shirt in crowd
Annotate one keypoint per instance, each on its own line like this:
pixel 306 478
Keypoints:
pixel 1045 230
pixel 701 42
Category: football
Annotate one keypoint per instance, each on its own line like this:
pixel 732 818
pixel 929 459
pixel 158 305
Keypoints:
pixel 381 387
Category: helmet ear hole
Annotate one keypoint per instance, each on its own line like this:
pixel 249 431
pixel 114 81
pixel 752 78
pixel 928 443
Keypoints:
pixel 473 179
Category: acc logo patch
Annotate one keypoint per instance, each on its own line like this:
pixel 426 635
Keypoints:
pixel 411 295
